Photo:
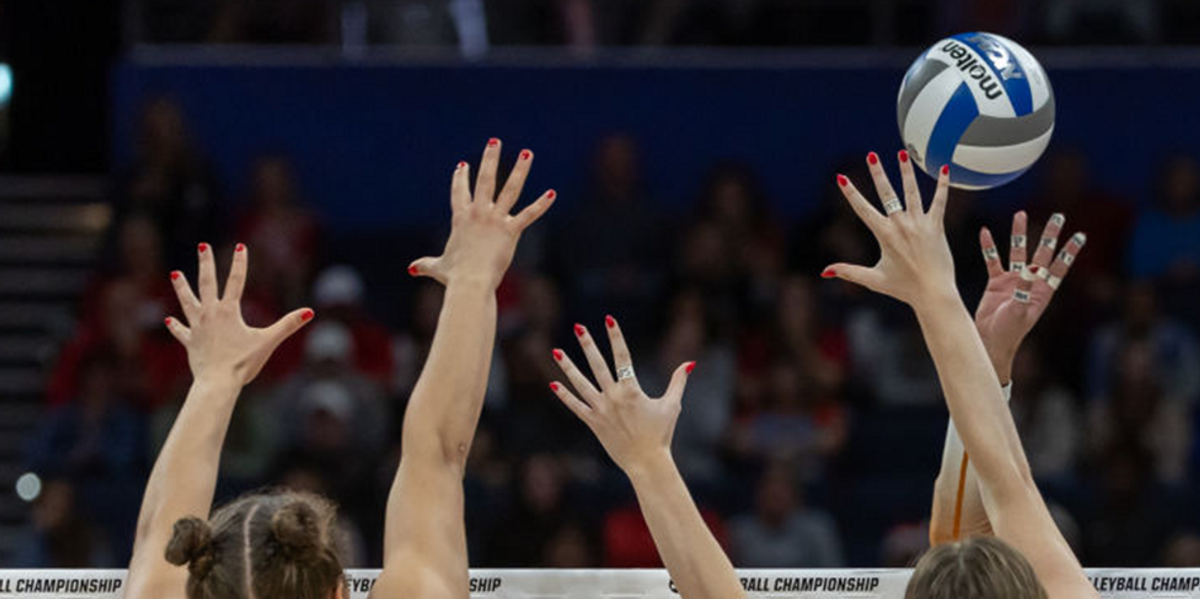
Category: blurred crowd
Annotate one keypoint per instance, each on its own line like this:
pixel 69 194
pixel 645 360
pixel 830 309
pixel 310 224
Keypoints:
pixel 474 25
pixel 811 430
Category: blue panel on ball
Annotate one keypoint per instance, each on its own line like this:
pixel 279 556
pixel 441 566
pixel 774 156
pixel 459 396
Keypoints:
pixel 960 175
pixel 957 115
pixel 1014 79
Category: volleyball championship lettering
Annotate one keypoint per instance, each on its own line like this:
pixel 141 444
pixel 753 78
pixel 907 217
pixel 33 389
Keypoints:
pixel 970 66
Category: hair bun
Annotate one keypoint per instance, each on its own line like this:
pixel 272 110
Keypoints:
pixel 191 544
pixel 297 528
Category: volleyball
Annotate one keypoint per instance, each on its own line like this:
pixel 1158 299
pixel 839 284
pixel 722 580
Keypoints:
pixel 979 102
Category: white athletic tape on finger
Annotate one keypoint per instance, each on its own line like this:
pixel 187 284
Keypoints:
pixel 1018 242
pixel 1058 219
pixel 1043 273
pixel 1080 239
pixel 1017 267
pixel 1050 242
pixel 1067 257
pixel 1054 282
pixel 1026 274
pixel 892 206
pixel 1021 296
pixel 990 254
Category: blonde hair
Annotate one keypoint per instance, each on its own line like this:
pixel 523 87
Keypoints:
pixel 979 568
pixel 268 545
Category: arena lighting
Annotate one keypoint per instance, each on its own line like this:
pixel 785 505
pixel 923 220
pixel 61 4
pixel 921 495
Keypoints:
pixel 6 84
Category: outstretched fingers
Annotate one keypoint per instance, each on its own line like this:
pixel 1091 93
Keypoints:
pixel 908 177
pixel 622 359
pixel 859 275
pixel 941 196
pixel 515 183
pixel 577 378
pixel 1062 264
pixel 1017 248
pixel 1049 242
pixel 573 403
pixel 679 382
pixel 181 333
pixel 599 366
pixel 288 325
pixel 187 299
pixel 460 187
pixel 883 185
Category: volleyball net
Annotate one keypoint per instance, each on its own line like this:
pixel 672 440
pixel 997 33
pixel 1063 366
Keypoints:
pixel 629 584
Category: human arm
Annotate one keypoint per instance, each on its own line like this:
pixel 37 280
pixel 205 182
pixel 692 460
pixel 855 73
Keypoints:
pixel 1003 321
pixel 636 432
pixel 916 268
pixel 225 355
pixel 425 553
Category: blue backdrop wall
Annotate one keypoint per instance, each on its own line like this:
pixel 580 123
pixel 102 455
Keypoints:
pixel 375 143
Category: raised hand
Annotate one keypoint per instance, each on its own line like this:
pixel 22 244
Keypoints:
pixel 633 428
pixel 915 261
pixel 484 234
pixel 1016 298
pixel 218 341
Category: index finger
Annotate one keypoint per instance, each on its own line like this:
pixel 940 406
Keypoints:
pixel 208 274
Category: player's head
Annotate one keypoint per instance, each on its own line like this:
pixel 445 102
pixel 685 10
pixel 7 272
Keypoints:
pixel 264 546
pixel 980 568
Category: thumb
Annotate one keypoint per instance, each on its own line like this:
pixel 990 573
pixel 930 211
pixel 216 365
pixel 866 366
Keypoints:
pixel 427 267
pixel 288 325
pixel 679 382
pixel 859 275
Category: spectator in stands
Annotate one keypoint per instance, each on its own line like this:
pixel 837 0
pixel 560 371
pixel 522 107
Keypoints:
pixel 59 534
pixel 411 347
pixel 629 544
pixel 170 182
pixel 783 532
pixel 616 258
pixel 1140 411
pixel 1103 21
pixel 1174 349
pixel 1130 522
pixel 1166 239
pixel 1047 417
pixel 1182 551
pixel 570 547
pixel 540 509
pixel 339 293
pixel 285 236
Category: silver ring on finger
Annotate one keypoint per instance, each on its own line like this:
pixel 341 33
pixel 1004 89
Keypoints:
pixel 892 206
pixel 625 373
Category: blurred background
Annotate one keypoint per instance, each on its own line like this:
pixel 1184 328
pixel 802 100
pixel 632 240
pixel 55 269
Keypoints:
pixel 693 144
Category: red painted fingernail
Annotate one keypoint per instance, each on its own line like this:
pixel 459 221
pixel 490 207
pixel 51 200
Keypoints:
pixel 551 194
pixel 241 247
pixel 1034 269
pixel 307 315
pixel 526 154
pixel 903 155
pixel 945 169
pixel 610 321
pixel 579 330
pixel 413 270
pixel 167 321
pixel 175 274
pixel 554 387
pixel 558 355
pixel 690 367
pixel 873 158
pixel 842 180
pixel 462 164
pixel 829 273
pixel 202 247
pixel 493 142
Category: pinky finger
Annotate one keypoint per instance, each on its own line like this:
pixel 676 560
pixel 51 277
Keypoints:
pixel 534 211
pixel 576 405
pixel 181 333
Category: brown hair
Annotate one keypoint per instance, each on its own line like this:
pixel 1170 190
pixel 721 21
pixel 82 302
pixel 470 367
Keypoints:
pixel 979 568
pixel 267 545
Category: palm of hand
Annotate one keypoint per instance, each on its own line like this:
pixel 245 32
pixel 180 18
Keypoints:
pixel 1003 322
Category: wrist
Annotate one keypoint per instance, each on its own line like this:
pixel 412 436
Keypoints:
pixel 937 302
pixel 1002 364
pixel 649 467
pixel 217 382
pixel 472 283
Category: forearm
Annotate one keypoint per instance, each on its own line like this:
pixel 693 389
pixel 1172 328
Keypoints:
pixel 446 403
pixel 184 477
pixel 958 510
pixel 693 557
pixel 973 394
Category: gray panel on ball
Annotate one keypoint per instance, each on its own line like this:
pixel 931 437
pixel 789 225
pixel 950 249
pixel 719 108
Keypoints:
pixel 921 78
pixel 990 131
